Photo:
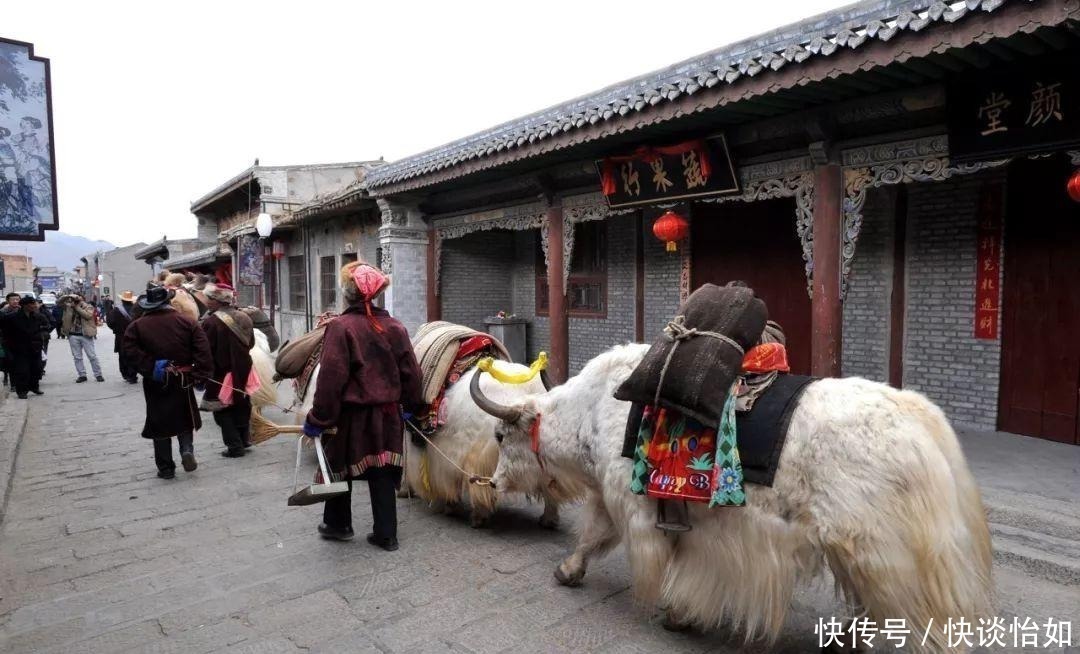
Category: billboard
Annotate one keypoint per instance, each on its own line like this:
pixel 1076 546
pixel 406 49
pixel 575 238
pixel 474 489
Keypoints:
pixel 27 157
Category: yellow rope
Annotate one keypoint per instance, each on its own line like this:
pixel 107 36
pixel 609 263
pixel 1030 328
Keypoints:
pixel 424 479
pixel 487 364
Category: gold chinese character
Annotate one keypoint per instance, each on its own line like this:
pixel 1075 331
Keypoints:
pixel 989 265
pixel 988 284
pixel 660 176
pixel 987 305
pixel 631 184
pixel 1045 104
pixel 692 170
pixel 991 113
pixel 986 322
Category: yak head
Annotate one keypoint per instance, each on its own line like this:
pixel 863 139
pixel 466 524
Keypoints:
pixel 519 469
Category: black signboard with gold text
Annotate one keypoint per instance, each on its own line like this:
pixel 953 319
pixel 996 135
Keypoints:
pixel 1001 113
pixel 650 174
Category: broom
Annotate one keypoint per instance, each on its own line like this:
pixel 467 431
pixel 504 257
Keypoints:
pixel 263 430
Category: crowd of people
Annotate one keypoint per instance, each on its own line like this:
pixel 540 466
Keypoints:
pixel 184 335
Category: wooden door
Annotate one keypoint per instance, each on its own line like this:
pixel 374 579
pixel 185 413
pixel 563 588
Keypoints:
pixel 757 243
pixel 1040 369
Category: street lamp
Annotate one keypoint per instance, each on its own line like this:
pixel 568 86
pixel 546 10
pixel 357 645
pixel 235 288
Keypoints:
pixel 264 225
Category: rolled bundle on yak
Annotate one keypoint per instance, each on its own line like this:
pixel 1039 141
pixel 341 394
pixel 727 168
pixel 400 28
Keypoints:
pixel 691 367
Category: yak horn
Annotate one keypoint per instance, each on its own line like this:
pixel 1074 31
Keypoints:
pixel 546 380
pixel 504 413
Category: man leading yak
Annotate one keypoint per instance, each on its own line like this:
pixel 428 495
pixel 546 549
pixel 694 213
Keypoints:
pixel 231 337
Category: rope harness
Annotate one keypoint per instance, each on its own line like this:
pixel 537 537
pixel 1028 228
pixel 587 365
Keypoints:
pixel 676 331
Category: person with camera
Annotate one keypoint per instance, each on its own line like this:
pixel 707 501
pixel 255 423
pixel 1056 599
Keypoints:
pixel 80 327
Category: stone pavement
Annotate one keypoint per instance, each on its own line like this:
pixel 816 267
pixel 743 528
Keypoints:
pixel 99 555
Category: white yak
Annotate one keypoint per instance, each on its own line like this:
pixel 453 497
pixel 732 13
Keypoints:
pixel 871 483
pixel 466 440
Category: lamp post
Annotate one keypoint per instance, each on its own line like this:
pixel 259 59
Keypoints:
pixel 264 226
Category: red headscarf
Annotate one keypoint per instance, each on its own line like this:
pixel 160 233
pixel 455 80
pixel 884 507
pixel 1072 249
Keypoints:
pixel 370 281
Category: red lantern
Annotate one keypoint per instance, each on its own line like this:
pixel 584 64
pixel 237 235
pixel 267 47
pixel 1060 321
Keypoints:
pixel 671 228
pixel 278 250
pixel 1074 186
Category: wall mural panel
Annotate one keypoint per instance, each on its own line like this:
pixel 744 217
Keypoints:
pixel 27 158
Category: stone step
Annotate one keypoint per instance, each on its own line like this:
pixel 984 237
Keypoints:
pixel 1050 558
pixel 1033 513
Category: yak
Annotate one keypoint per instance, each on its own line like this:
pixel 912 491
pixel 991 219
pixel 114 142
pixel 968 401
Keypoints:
pixel 466 441
pixel 871 483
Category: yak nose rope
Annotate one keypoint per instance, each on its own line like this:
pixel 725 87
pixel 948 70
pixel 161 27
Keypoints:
pixel 478 480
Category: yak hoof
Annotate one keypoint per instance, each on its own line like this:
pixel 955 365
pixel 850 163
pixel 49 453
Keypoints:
pixel 478 521
pixel 549 523
pixel 571 581
pixel 674 623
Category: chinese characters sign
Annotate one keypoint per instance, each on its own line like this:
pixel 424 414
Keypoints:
pixel 988 260
pixel 27 159
pixel 659 173
pixel 1008 112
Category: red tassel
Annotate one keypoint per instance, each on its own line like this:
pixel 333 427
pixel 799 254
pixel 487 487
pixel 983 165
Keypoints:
pixel 372 319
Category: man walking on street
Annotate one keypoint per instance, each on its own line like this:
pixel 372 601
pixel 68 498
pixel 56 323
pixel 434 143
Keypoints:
pixel 81 330
pixel 23 343
pixel 231 337
pixel 118 320
pixel 170 351
pixel 11 305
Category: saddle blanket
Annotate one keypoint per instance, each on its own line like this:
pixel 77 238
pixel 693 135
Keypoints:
pixel 761 432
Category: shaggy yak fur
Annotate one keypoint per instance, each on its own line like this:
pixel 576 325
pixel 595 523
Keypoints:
pixel 465 439
pixel 871 483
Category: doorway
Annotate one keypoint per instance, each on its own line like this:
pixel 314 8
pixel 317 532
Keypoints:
pixel 756 242
pixel 1040 359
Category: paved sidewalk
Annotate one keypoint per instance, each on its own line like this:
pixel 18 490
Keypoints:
pixel 99 555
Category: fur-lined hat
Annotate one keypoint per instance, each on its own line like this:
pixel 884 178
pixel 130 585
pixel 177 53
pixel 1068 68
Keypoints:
pixel 222 293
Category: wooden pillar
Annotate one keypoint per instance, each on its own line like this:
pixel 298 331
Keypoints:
pixel 898 303
pixel 559 365
pixel 434 302
pixel 826 308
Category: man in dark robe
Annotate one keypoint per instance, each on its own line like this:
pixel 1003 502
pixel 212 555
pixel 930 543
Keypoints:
pixel 24 341
pixel 170 351
pixel 118 320
pixel 231 337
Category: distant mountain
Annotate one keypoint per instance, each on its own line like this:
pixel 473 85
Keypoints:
pixel 58 249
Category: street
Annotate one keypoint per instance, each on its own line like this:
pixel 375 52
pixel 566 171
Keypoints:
pixel 100 555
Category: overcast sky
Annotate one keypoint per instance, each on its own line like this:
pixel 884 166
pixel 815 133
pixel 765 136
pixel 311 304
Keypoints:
pixel 155 105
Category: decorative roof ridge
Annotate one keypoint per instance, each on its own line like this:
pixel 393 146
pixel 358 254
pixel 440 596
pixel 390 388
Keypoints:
pixel 849 27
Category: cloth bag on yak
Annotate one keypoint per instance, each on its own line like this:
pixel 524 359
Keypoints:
pixel 693 365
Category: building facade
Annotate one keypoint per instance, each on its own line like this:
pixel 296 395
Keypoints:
pixel 18 273
pixel 111 272
pixel 889 177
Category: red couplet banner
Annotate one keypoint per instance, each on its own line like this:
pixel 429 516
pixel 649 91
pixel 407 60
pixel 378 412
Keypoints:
pixel 988 260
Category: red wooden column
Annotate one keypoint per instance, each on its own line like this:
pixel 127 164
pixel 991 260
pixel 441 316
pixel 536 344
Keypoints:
pixel 434 302
pixel 559 360
pixel 826 309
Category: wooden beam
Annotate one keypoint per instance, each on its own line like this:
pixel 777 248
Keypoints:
pixel 557 316
pixel 826 308
pixel 898 300
pixel 434 302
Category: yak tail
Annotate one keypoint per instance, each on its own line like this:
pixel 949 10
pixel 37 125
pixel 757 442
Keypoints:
pixel 927 558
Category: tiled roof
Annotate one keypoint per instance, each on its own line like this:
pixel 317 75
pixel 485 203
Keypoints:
pixel 847 28
pixel 152 249
pixel 202 257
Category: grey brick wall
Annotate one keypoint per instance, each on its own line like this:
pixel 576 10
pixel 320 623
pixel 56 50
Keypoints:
pixel 941 356
pixel 592 336
pixel 475 280
pixel 523 275
pixel 661 281
pixel 867 307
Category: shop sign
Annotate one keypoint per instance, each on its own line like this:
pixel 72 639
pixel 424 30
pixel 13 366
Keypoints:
pixel 988 260
pixel 651 174
pixel 27 157
pixel 1003 113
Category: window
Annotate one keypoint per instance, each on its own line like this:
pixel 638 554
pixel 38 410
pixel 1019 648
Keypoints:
pixel 247 295
pixel 348 258
pixel 297 288
pixel 586 289
pixel 328 283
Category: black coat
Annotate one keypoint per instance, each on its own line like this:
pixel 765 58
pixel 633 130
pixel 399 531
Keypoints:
pixel 24 334
pixel 118 323
pixel 167 334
